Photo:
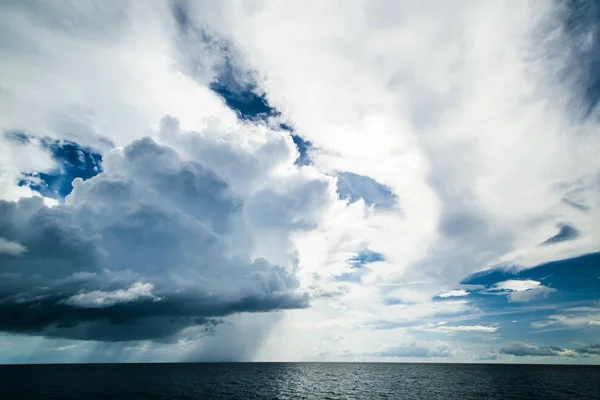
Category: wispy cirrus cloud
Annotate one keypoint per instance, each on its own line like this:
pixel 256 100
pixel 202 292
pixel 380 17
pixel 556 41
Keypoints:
pixel 574 318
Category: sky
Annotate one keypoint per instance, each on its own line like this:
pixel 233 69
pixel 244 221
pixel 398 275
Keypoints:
pixel 393 181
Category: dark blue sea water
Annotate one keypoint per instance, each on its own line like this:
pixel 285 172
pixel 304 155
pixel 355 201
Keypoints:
pixel 299 381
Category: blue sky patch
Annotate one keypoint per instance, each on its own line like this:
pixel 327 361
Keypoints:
pixel 564 286
pixel 232 82
pixel 250 106
pixel 358 265
pixel 73 161
pixel 566 232
pixel 365 257
pixel 247 104
pixel 302 146
pixel 253 107
pixel 567 290
pixel 574 278
pixel 354 187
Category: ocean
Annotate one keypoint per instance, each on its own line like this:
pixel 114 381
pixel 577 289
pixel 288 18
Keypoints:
pixel 299 381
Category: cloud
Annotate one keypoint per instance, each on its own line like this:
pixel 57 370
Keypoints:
pixel 469 132
pixel 11 248
pixel 427 141
pixel 521 291
pixel 592 349
pixel 303 148
pixel 514 285
pixel 436 349
pixel 99 299
pixel 573 278
pixel 454 293
pixel 489 356
pixel 520 349
pixel 568 321
pixel 405 313
pixel 443 328
pixel 72 161
pixel 18 156
pixel 359 266
pixel 154 244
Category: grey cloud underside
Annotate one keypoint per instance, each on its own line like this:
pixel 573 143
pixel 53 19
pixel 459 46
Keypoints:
pixel 523 349
pixel 520 349
pixel 139 320
pixel 151 219
pixel 593 349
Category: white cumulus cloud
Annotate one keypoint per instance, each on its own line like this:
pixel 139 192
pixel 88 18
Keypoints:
pixel 454 293
pixel 522 291
pixel 99 298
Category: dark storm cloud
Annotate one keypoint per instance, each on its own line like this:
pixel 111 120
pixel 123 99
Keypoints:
pixel 575 278
pixel 49 312
pixel 144 249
